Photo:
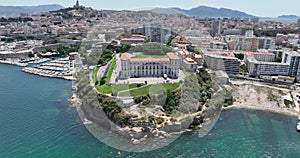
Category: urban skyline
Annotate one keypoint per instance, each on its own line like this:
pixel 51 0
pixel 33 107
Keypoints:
pixel 257 8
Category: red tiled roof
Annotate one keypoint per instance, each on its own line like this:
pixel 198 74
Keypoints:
pixel 133 39
pixel 189 61
pixel 173 56
pixel 125 56
pixel 253 53
pixel 181 45
pixel 229 54
pixel 184 52
pixel 149 60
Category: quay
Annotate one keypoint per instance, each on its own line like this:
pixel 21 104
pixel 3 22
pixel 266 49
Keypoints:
pixel 13 63
pixel 45 73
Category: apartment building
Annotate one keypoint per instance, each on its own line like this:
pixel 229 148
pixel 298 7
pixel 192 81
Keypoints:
pixel 257 68
pixel 229 64
pixel 293 59
pixel 260 56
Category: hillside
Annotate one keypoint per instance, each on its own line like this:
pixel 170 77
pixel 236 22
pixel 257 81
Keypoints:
pixel 204 11
pixel 17 10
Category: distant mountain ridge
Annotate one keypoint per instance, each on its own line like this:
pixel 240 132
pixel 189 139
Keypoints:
pixel 17 10
pixel 282 18
pixel 168 11
pixel 204 11
pixel 289 16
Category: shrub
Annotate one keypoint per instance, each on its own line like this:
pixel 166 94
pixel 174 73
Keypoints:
pixel 102 81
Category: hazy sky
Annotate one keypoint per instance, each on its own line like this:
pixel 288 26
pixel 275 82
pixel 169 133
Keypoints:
pixel 270 8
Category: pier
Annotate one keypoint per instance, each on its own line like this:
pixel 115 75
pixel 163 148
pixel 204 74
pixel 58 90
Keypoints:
pixel 48 73
pixel 13 63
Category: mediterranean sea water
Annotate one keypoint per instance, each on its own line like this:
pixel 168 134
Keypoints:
pixel 36 121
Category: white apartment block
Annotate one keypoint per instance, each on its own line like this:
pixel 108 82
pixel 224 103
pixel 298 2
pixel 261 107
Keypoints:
pixel 260 56
pixel 229 64
pixel 257 68
pixel 293 59
pixel 266 43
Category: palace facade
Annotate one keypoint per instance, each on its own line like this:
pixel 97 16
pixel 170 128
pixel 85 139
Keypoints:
pixel 149 67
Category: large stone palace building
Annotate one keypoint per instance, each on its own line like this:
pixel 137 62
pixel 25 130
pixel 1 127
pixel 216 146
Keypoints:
pixel 149 67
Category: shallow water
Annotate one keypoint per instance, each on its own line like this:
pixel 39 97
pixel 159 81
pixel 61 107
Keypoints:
pixel 37 121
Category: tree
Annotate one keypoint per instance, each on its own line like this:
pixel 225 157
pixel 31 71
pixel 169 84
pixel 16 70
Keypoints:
pixel 30 54
pixel 107 51
pixel 48 50
pixel 170 40
pixel 278 59
pixel 170 104
pixel 239 56
pixel 102 81
pixel 118 49
pixel 126 47
pixel 124 35
pixel 243 68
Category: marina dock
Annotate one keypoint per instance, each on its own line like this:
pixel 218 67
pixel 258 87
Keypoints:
pixel 48 73
pixel 13 63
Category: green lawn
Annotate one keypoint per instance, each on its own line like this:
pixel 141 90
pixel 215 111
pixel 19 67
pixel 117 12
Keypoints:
pixel 106 88
pixel 123 87
pixel 145 90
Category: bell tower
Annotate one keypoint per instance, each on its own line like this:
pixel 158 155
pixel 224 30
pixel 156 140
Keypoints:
pixel 77 6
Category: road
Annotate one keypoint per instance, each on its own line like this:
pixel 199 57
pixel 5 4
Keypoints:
pixel 101 71
pixel 117 69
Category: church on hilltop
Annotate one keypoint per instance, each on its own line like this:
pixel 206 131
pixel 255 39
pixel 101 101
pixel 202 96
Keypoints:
pixel 77 6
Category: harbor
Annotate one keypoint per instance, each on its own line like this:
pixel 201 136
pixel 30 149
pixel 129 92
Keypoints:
pixel 56 68
pixel 47 67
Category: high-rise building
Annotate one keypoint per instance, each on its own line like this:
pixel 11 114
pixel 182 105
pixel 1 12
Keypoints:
pixel 216 28
pixel 266 43
pixel 293 58
pixel 261 63
pixel 155 32
pixel 248 44
pixel 257 68
pixel 223 61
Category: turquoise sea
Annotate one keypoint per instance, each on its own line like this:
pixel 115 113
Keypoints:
pixel 36 121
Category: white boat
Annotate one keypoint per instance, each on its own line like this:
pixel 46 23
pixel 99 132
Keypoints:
pixel 298 126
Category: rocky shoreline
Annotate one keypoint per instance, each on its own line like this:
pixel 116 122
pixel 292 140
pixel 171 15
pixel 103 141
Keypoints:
pixel 135 135
pixel 138 135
